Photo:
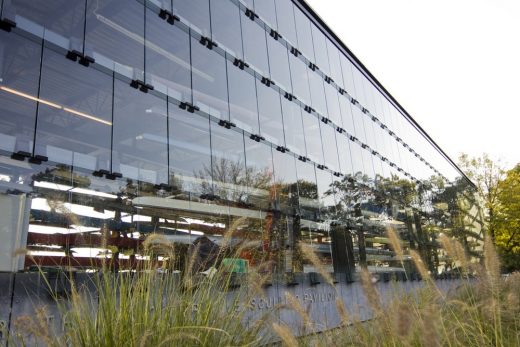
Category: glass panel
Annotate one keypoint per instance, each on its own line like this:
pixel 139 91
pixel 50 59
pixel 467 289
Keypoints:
pixel 115 30
pixel 279 65
pixel 346 115
pixel 196 12
pixel 255 45
pixel 140 145
pixel 335 63
pixel 300 79
pixel 209 82
pixel 326 195
pixel 225 26
pixel 345 157
pixel 75 124
pixel 266 10
pixel 168 60
pixel 270 114
pixel 333 110
pixel 285 182
pixel 311 125
pixel 293 127
pixel 19 75
pixel 357 159
pixel 228 165
pixel 259 174
pixel 303 30
pixel 330 150
pixel 307 190
pixel 348 80
pixel 317 93
pixel 62 20
pixel 286 23
pixel 242 99
pixel 359 127
pixel 320 50
pixel 189 151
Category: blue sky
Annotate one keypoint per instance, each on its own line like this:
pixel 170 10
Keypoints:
pixel 454 65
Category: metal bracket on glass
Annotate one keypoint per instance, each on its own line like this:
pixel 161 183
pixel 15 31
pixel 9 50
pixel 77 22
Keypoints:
pixel 384 158
pixel 282 149
pixel 321 167
pixel 210 197
pixel 422 159
pixel 365 111
pixel 353 138
pixel 267 81
pixel 314 278
pixel 376 153
pixel 256 138
pixel 342 91
pixel 21 155
pixel 313 66
pixel 84 60
pixel 340 130
pixel 392 164
pixel 328 79
pixel 188 107
pixel 383 126
pixel 290 96
pixel 295 51
pixel 400 170
pixel 226 124
pixel 375 119
pixel 275 34
pixel 113 175
pixel 391 132
pixel 7 24
pixel 302 158
pixel 206 41
pixel 100 173
pixel 163 186
pixel 168 16
pixel 325 120
pixel 354 101
pixel 308 109
pixel 250 14
pixel 144 87
pixel 240 64
pixel 38 159
pixel 337 174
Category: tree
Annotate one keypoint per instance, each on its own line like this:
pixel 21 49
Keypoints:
pixel 486 174
pixel 507 220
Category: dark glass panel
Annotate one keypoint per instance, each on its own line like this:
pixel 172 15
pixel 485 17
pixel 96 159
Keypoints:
pixel 189 151
pixel 208 73
pixel 346 115
pixel 225 26
pixel 255 45
pixel 304 32
pixel 243 107
pixel 286 23
pixel 266 10
pixel 270 114
pixel 320 50
pixel 228 165
pixel 285 182
pixel 196 12
pixel 293 127
pixel 62 20
pixel 357 159
pixel 300 79
pixel 115 30
pixel 167 57
pixel 279 65
pixel 140 144
pixel 317 93
pixel 75 125
pixel 19 74
pixel 307 190
pixel 259 174
pixel 311 126
pixel 333 108
pixel 330 150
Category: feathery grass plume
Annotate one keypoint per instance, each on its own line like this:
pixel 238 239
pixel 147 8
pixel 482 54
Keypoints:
pixel 429 334
pixel 447 246
pixel 419 264
pixel 491 261
pixel 461 256
pixel 395 242
pixel 342 311
pixel 309 254
pixel 370 292
pixel 403 320
pixel 296 306
pixel 285 334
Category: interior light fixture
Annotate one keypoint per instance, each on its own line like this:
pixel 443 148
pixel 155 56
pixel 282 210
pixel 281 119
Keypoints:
pixel 54 105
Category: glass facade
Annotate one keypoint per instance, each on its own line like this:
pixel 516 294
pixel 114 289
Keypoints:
pixel 180 117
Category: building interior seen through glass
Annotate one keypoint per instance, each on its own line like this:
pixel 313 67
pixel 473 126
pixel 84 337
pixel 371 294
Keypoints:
pixel 119 120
